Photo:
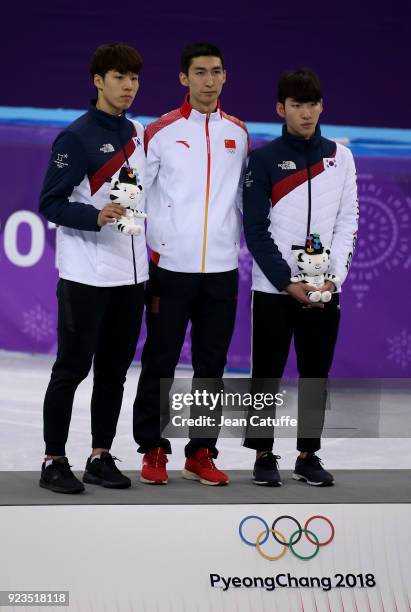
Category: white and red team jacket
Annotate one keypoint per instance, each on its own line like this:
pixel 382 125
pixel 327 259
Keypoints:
pixel 194 172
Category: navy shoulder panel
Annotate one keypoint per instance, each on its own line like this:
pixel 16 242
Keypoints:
pixel 275 149
pixel 270 148
pixel 328 147
pixel 80 123
pixel 76 128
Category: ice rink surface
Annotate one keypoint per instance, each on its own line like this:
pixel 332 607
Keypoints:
pixel 23 381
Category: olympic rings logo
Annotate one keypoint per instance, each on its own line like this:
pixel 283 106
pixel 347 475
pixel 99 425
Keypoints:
pixel 295 537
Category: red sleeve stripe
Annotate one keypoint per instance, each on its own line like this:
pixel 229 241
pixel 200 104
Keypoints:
pixel 156 126
pixel 155 257
pixel 240 124
pixel 291 182
pixel 112 165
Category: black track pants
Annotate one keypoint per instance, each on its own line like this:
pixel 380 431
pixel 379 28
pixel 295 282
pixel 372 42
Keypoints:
pixel 99 322
pixel 173 299
pixel 276 319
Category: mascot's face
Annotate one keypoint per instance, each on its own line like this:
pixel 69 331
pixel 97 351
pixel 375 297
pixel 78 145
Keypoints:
pixel 125 194
pixel 313 265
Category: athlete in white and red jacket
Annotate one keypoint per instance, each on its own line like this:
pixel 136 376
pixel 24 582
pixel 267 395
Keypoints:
pixel 194 161
pixel 196 157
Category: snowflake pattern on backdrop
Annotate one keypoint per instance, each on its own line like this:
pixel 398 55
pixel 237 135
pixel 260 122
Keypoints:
pixel 384 243
pixel 399 349
pixel 38 323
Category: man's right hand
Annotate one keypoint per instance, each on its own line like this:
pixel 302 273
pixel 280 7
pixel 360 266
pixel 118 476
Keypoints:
pixel 110 213
pixel 299 292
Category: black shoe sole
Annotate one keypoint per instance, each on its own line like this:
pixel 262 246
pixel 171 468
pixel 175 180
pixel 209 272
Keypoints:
pixel 57 489
pixel 95 480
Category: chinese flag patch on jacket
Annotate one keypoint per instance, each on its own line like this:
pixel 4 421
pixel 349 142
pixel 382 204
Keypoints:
pixel 229 144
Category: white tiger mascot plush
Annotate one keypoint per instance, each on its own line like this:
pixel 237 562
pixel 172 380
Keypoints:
pixel 312 262
pixel 127 191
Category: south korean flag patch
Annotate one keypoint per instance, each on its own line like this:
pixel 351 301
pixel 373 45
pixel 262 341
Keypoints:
pixel 329 162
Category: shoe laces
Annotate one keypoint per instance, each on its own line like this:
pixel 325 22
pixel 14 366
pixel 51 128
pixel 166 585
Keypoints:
pixel 313 459
pixel 268 460
pixel 109 459
pixel 206 459
pixel 63 466
pixel 157 456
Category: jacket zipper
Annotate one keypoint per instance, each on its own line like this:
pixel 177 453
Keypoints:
pixel 309 195
pixel 134 259
pixel 207 194
pixel 132 237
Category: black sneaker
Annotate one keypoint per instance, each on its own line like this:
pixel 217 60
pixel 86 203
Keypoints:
pixel 266 470
pixel 58 477
pixel 312 472
pixel 103 471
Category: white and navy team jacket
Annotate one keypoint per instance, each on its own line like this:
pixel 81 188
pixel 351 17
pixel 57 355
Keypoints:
pixel 85 157
pixel 195 166
pixel 294 187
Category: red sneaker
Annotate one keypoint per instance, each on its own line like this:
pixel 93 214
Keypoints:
pixel 200 466
pixel 154 467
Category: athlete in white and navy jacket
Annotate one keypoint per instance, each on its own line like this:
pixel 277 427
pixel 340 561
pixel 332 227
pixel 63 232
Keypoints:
pixel 297 185
pixel 102 271
pixel 195 162
pixel 86 156
pixel 294 187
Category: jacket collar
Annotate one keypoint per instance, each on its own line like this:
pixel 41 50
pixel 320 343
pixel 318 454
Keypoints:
pixel 299 141
pixel 188 111
pixel 110 122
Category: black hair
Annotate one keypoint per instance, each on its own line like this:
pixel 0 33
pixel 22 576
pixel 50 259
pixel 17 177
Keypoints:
pixel 303 85
pixel 199 50
pixel 115 56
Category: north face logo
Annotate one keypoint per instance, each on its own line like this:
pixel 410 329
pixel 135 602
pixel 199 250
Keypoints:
pixel 287 165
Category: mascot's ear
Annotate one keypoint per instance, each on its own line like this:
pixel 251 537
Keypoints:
pixel 300 257
pixel 327 251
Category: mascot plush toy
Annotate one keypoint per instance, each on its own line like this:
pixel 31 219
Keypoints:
pixel 312 262
pixel 127 190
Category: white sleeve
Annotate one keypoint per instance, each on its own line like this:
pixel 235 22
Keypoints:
pixel 346 225
pixel 239 196
pixel 152 164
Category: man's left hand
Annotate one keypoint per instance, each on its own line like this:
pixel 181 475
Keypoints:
pixel 328 286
